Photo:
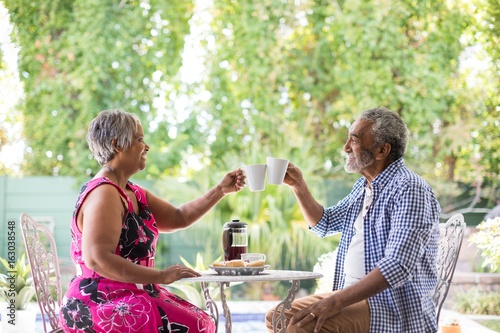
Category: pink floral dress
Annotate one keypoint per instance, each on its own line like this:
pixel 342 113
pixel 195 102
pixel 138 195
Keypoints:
pixel 94 303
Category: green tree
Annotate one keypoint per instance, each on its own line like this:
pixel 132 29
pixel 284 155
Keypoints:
pixel 310 68
pixel 80 57
pixel 277 73
pixel 284 74
pixel 486 138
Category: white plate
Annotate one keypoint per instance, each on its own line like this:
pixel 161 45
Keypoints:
pixel 239 270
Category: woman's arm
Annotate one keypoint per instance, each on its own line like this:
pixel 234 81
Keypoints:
pixel 170 218
pixel 100 220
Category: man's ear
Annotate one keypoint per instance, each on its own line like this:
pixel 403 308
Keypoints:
pixel 383 151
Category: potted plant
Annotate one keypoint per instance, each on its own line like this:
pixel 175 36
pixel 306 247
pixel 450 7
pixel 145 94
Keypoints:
pixel 452 325
pixel 17 290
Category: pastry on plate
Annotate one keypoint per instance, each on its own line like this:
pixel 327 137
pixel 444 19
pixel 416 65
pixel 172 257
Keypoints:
pixel 235 263
pixel 256 263
pixel 219 264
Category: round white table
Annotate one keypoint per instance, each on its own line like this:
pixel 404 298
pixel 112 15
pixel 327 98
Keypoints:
pixel 224 281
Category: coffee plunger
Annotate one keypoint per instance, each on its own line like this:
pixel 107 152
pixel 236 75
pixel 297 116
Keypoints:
pixel 234 239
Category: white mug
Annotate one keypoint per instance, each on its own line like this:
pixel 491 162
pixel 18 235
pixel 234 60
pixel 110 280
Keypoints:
pixel 276 170
pixel 249 257
pixel 256 175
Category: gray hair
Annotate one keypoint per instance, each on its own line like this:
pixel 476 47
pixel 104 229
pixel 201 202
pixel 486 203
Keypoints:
pixel 388 127
pixel 109 126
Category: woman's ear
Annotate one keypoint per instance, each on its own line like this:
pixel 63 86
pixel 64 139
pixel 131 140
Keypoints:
pixel 115 146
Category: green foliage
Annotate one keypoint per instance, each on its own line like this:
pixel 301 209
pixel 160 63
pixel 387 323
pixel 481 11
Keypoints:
pixel 478 302
pixel 487 240
pixel 491 324
pixel 329 61
pixel 80 57
pixel 277 74
pixel 24 288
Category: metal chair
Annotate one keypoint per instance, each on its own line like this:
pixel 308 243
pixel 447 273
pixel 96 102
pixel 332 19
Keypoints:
pixel 42 255
pixel 452 234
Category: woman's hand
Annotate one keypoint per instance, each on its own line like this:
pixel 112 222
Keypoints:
pixel 233 181
pixel 176 272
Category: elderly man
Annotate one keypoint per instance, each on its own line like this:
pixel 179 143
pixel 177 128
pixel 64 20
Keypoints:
pixel 386 264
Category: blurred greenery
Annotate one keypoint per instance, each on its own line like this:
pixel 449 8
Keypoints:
pixel 487 240
pixel 491 324
pixel 479 302
pixel 221 84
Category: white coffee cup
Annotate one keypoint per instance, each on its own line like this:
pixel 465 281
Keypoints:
pixel 276 170
pixel 249 257
pixel 256 176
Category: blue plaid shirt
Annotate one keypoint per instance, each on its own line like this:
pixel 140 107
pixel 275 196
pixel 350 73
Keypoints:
pixel 401 233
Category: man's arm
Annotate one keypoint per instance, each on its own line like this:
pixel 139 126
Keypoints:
pixel 310 208
pixel 372 284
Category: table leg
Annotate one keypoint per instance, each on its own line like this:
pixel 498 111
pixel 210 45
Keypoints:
pixel 227 313
pixel 286 304
pixel 210 304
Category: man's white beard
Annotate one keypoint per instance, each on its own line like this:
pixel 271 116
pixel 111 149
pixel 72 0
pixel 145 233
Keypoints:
pixel 364 160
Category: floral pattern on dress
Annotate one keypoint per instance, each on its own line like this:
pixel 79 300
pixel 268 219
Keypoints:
pixel 77 315
pixel 89 287
pixel 124 312
pixel 136 240
pixel 152 290
pixel 168 327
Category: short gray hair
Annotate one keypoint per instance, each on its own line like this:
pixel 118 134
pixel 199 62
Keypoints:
pixel 111 125
pixel 388 127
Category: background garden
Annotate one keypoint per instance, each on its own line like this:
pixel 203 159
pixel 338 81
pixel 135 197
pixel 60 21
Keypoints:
pixel 221 83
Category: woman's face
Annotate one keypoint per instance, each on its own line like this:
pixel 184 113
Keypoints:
pixel 138 149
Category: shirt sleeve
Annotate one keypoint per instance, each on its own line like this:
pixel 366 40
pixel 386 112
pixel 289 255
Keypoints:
pixel 334 217
pixel 414 222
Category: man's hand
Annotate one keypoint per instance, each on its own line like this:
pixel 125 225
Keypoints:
pixel 293 176
pixel 319 311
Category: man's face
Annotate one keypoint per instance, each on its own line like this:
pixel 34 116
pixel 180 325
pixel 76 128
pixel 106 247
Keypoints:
pixel 358 147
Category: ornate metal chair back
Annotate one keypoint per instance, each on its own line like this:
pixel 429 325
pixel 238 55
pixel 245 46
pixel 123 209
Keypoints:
pixel 42 255
pixel 452 233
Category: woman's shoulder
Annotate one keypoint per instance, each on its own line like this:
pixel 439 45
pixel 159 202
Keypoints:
pixel 139 191
pixel 97 183
pixel 94 182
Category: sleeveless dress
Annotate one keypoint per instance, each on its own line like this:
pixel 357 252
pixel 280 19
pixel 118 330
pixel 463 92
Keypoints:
pixel 95 304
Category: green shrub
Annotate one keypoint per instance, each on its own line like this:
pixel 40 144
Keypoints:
pixel 487 239
pixel 491 324
pixel 478 302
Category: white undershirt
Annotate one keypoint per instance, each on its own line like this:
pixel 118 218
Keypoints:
pixel 354 264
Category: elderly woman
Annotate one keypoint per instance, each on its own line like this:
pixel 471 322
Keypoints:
pixel 114 230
